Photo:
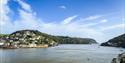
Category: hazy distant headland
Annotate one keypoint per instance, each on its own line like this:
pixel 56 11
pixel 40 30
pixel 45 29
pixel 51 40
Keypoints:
pixel 35 38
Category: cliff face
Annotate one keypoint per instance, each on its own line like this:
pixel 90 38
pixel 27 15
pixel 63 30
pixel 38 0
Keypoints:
pixel 116 42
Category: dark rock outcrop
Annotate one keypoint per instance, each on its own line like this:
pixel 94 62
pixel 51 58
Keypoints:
pixel 119 59
pixel 116 42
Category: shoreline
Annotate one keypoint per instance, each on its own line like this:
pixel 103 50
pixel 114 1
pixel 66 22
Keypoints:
pixel 25 46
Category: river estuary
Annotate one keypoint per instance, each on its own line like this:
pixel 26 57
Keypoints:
pixel 61 54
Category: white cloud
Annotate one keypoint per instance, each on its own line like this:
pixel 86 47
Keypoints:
pixel 4 18
pixel 27 18
pixel 62 7
pixel 117 26
pixel 90 18
pixel 25 6
pixel 68 20
pixel 90 24
pixel 96 23
pixel 104 20
pixel 93 17
pixel 4 10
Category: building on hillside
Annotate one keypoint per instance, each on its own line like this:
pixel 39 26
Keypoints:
pixel 1 44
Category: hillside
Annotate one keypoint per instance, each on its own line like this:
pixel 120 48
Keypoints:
pixel 37 37
pixel 29 36
pixel 116 42
pixel 74 40
pixel 3 35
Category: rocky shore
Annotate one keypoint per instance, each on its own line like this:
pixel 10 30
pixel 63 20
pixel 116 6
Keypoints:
pixel 120 58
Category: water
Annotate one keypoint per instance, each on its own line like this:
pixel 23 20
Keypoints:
pixel 61 54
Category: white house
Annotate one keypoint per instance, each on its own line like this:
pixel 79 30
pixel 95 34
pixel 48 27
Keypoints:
pixel 1 43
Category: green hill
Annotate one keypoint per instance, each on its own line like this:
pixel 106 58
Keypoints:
pixel 73 40
pixel 37 37
pixel 116 42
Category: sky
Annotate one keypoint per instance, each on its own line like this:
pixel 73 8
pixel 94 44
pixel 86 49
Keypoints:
pixel 97 19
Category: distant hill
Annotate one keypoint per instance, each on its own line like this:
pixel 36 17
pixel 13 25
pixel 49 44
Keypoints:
pixel 116 42
pixel 29 36
pixel 74 40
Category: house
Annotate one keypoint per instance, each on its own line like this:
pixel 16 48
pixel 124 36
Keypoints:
pixel 32 44
pixel 1 44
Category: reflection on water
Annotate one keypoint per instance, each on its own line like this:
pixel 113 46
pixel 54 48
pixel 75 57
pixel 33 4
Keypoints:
pixel 61 54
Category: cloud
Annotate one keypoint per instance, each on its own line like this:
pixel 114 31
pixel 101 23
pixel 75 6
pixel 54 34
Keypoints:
pixel 27 18
pixel 117 26
pixel 96 23
pixel 4 10
pixel 62 7
pixel 88 24
pixel 91 18
pixel 25 6
pixel 4 18
pixel 104 20
pixel 68 20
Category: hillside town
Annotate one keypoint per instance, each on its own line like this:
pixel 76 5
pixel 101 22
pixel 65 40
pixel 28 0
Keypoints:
pixel 26 39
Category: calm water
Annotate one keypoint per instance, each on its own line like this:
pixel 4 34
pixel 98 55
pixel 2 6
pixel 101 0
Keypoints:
pixel 61 54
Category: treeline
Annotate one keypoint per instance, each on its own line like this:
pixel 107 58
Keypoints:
pixel 73 40
pixel 3 35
